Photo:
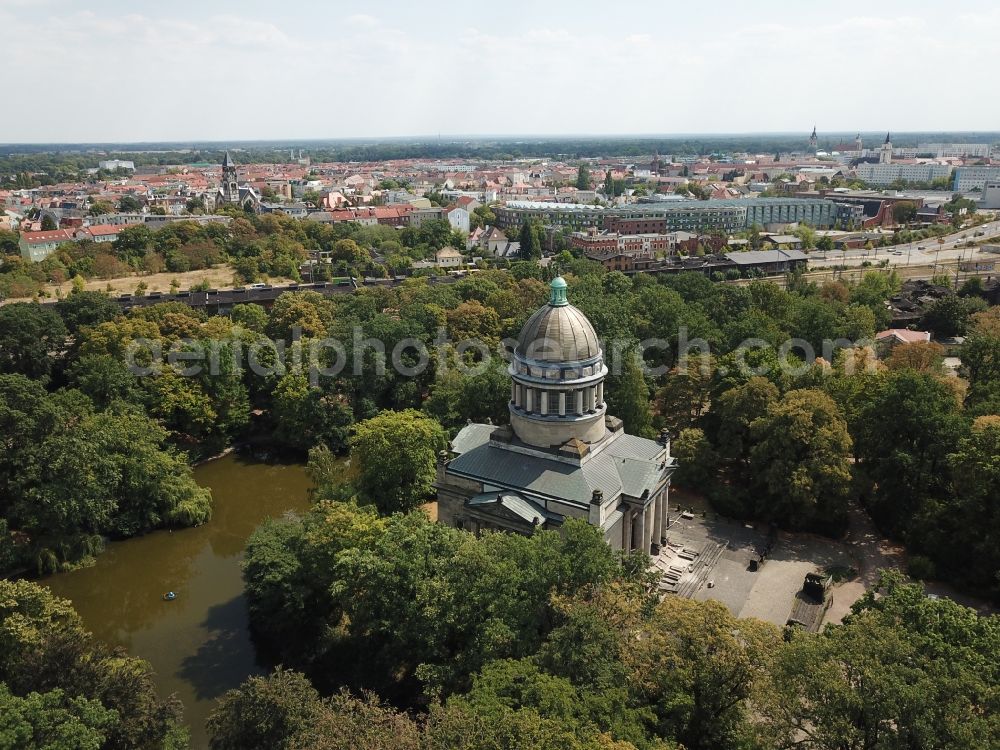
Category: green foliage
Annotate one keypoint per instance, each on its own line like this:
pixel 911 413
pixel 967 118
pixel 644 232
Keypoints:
pixel 52 720
pixel 629 398
pixel 801 462
pixel 69 473
pixel 60 688
pixel 306 416
pixel 32 338
pixel 949 316
pixel 265 712
pixel 396 454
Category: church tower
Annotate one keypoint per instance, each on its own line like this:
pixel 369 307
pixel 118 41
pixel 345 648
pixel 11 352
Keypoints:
pixel 813 140
pixel 885 154
pixel 858 143
pixel 230 184
pixel 558 372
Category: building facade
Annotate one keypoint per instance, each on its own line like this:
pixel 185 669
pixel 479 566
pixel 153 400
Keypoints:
pixel 671 216
pixel 974 178
pixel 562 455
pixel 886 174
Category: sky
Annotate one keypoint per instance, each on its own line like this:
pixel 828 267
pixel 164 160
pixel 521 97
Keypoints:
pixel 116 71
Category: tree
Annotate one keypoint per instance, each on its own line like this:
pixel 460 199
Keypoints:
pixel 52 720
pixel 472 321
pixel 103 380
pixel 81 308
pixel 902 670
pixel 801 462
pixel 306 416
pixel 628 396
pixel 396 453
pixel 825 243
pixel 456 397
pixel 921 356
pixel 685 395
pixel 972 523
pixel 903 433
pixel 48 223
pixel 32 339
pixel 583 178
pixel 904 212
pixel 264 712
pixel 129 203
pixel 949 316
pixel 250 317
pixel 310 313
pixel 350 252
pixel 700 667
pixel 9 243
pixel 697 461
pixel 531 246
pixel 97 208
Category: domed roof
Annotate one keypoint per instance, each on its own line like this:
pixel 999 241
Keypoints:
pixel 558 332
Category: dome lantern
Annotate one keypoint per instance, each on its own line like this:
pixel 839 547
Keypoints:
pixel 557 296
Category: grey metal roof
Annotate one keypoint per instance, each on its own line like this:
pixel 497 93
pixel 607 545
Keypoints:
pixel 628 464
pixel 533 474
pixel 470 436
pixel 516 503
pixel 558 333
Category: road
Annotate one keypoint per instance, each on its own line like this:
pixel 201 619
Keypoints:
pixel 921 253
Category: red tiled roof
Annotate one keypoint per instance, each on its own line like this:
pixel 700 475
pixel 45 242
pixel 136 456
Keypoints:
pixel 38 238
pixel 904 335
pixel 103 230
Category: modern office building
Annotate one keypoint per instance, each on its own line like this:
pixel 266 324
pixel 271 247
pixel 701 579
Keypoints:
pixel 683 215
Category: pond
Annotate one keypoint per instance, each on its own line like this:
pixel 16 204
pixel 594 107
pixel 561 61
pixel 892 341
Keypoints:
pixel 199 644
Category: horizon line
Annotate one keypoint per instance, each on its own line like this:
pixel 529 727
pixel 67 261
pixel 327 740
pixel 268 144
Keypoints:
pixel 432 138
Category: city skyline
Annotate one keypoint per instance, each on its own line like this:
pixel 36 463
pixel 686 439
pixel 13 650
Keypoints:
pixel 251 72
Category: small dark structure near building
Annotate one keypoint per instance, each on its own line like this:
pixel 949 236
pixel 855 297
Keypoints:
pixel 811 602
pixel 817 587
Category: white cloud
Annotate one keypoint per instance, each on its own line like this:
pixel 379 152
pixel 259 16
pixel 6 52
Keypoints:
pixel 168 74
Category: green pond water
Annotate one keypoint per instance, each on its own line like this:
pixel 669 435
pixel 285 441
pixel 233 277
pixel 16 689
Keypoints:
pixel 199 644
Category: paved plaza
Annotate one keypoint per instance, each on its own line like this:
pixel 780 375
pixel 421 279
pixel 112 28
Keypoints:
pixel 721 569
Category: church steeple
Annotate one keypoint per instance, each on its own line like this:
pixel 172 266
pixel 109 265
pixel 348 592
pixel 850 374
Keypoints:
pixel 885 154
pixel 813 139
pixel 230 182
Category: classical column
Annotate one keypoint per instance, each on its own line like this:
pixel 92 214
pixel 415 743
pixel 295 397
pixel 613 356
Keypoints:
pixel 642 529
pixel 588 398
pixel 665 494
pixel 513 392
pixel 562 403
pixel 579 402
pixel 647 512
pixel 600 393
pixel 627 531
pixel 657 520
pixel 543 402
pixel 528 392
